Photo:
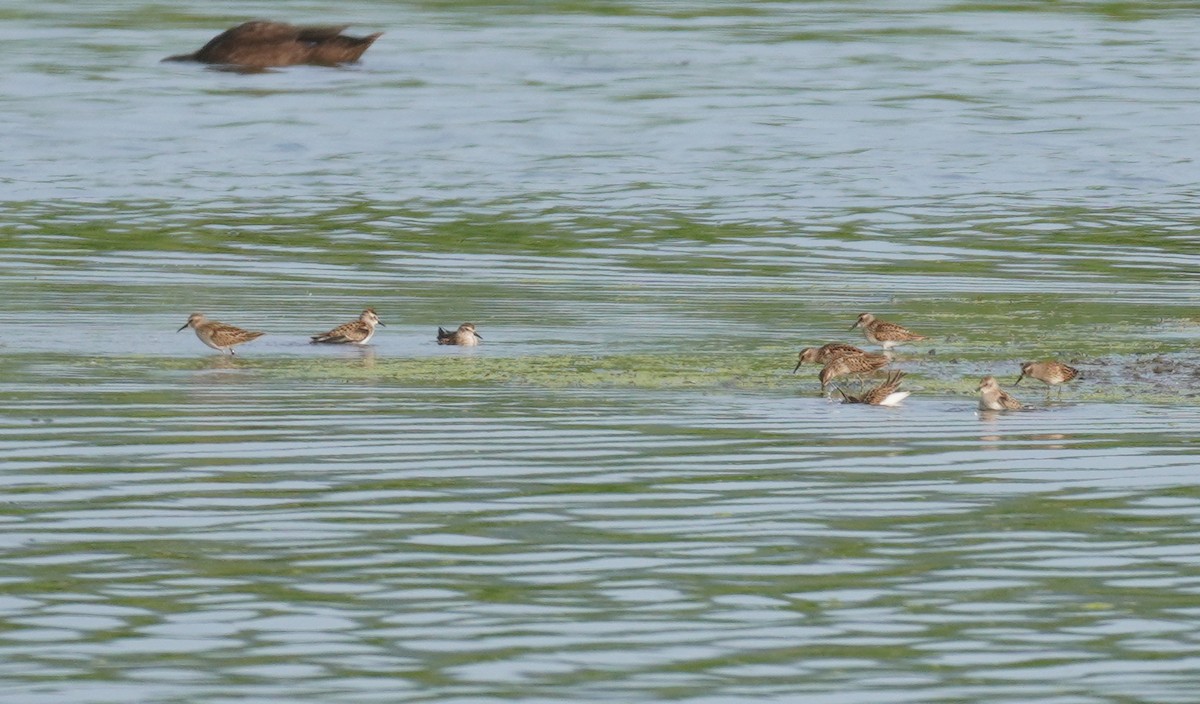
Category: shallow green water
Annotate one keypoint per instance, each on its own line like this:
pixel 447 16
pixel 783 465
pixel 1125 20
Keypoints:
pixel 624 494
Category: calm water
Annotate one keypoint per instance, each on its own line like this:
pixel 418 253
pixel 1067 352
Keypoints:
pixel 623 495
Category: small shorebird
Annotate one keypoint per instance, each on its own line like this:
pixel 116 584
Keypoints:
pixel 883 333
pixel 846 364
pixel 886 394
pixel 825 353
pixel 465 335
pixel 263 44
pixel 357 332
pixel 994 398
pixel 218 336
pixel 1050 373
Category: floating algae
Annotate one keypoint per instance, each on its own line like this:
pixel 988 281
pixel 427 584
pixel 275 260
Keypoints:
pixel 1153 378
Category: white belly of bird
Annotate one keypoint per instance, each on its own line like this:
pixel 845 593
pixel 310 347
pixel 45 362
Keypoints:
pixel 894 398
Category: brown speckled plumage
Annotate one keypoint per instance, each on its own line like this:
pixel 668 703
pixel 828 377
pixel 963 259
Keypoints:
pixel 886 394
pixel 357 332
pixel 883 333
pixel 994 398
pixel 825 353
pixel 465 335
pixel 218 336
pixel 1050 372
pixel 846 364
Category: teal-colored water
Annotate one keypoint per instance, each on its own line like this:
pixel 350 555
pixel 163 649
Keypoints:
pixel 624 494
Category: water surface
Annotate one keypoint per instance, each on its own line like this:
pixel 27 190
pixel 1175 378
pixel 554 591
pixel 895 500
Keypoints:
pixel 623 494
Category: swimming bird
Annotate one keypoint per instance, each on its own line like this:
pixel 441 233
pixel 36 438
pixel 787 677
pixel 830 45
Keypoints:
pixel 886 394
pixel 823 354
pixel 357 332
pixel 465 335
pixel 1050 372
pixel 218 336
pixel 994 398
pixel 264 44
pixel 883 333
pixel 847 364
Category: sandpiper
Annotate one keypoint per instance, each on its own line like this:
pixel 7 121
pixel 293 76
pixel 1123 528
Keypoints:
pixel 1050 372
pixel 465 335
pixel 218 336
pixel 883 333
pixel 825 353
pixel 994 398
pixel 886 394
pixel 357 332
pixel 857 364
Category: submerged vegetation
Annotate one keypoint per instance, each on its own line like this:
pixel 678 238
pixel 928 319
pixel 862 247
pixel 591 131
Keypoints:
pixel 648 302
pixel 1143 378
